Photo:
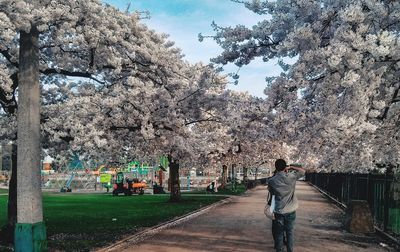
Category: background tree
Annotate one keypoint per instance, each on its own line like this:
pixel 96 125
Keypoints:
pixel 335 99
pixel 138 117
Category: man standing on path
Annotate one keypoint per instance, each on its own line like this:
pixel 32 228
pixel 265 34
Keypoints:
pixel 283 185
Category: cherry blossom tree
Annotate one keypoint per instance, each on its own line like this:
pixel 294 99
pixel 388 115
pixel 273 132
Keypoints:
pixel 339 102
pixel 79 43
pixel 251 140
pixel 140 118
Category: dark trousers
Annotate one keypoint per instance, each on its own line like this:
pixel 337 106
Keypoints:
pixel 281 226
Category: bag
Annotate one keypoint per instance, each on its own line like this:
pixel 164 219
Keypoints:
pixel 270 207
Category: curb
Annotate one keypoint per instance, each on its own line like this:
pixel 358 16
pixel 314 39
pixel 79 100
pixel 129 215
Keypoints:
pixel 151 231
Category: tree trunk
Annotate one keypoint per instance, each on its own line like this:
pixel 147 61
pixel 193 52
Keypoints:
pixel 224 176
pixel 245 178
pixel 175 195
pixel 7 231
pixel 255 176
pixel 30 230
pixel 233 177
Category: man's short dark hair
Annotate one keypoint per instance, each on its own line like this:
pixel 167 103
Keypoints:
pixel 280 164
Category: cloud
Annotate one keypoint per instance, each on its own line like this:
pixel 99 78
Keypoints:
pixel 183 20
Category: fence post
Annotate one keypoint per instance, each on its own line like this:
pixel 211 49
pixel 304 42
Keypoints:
pixel 343 182
pixel 368 198
pixel 387 197
pixel 348 187
pixel 370 193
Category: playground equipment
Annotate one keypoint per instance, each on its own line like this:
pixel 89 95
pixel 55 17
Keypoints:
pixel 67 187
pixel 99 170
pixel 154 175
pixel 77 174
pixel 4 177
pixel 103 169
pixel 72 174
pixel 127 186
pixel 105 180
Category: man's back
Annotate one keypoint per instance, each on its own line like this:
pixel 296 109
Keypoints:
pixel 282 185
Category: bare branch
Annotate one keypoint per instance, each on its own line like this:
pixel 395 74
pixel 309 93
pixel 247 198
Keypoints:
pixel 50 71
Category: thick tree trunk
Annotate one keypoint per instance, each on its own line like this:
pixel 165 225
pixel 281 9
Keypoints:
pixel 7 231
pixel 175 195
pixel 30 232
pixel 224 176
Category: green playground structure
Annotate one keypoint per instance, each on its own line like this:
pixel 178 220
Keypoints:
pixel 77 174
pixel 74 165
pixel 67 187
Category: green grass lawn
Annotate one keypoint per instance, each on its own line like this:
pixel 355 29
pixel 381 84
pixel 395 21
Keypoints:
pixel 77 222
pixel 239 189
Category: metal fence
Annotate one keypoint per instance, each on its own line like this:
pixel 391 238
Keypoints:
pixel 254 182
pixel 382 192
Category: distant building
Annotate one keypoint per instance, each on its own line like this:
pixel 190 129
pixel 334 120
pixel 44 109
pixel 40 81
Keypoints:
pixel 5 157
pixel 46 166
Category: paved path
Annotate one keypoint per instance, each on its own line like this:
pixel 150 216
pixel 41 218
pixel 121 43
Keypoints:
pixel 241 226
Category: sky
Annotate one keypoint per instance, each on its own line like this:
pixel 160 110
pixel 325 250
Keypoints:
pixel 183 20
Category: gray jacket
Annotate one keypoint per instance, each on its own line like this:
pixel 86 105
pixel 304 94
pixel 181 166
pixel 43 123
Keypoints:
pixel 283 185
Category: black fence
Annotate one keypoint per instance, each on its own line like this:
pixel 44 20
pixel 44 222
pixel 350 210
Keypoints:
pixel 253 183
pixel 382 192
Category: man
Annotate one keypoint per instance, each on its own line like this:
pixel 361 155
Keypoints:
pixel 283 185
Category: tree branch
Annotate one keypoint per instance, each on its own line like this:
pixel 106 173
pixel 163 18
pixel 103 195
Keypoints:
pixel 394 100
pixel 8 56
pixel 50 71
pixel 203 120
